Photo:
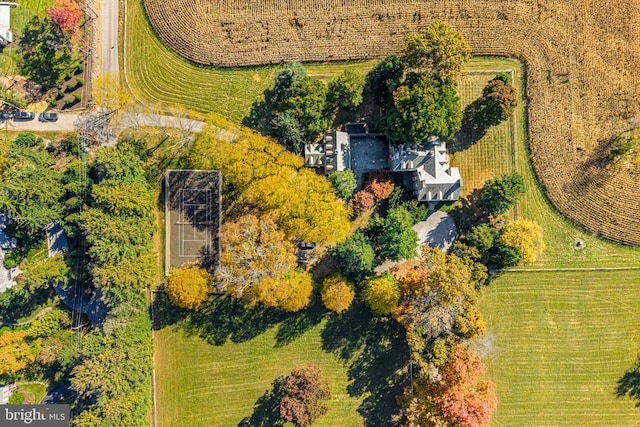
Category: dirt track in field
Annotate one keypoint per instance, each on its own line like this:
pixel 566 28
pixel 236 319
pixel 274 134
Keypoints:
pixel 582 59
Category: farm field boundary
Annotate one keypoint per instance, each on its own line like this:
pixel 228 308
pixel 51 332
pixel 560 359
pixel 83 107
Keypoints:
pixel 582 59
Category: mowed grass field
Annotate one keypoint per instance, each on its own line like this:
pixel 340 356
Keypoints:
pixel 556 345
pixel 208 376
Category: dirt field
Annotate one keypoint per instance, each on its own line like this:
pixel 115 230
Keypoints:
pixel 582 59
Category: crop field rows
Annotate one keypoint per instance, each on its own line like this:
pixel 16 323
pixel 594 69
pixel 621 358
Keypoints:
pixel 557 344
pixel 581 56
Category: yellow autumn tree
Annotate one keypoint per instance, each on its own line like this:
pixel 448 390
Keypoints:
pixel 255 261
pixel 337 293
pixel 188 287
pixel 300 287
pixel 527 236
pixel 108 94
pixel 271 180
pixel 382 294
pixel 15 352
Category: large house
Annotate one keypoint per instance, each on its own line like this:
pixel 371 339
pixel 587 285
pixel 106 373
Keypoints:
pixel 425 167
pixel 6 36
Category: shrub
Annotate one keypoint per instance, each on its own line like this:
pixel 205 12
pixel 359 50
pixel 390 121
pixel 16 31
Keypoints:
pixel 52 102
pixel 12 259
pixel 69 102
pixel 79 68
pixel 70 87
pixel 80 81
pixel 26 139
pixel 16 399
pixel 77 97
pixel 60 94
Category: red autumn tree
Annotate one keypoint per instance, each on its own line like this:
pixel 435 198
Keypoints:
pixel 304 396
pixel 363 201
pixel 66 14
pixel 379 184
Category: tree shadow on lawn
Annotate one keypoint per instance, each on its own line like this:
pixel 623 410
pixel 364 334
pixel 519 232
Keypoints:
pixel 629 384
pixel 224 318
pixel 266 412
pixel 378 353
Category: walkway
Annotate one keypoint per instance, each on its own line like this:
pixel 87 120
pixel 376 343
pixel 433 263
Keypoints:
pixel 438 231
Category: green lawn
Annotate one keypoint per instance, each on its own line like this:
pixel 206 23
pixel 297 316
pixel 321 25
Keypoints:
pixel 201 383
pixel 38 391
pixel 556 345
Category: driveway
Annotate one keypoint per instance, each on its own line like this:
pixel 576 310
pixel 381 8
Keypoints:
pixel 438 231
pixel 6 245
pixel 65 122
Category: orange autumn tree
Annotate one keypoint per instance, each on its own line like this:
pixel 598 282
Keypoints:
pixel 458 398
pixel 66 15
pixel 258 263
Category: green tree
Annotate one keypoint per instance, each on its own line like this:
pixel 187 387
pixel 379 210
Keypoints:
pixel 33 194
pixel 500 193
pixel 355 257
pixel 287 130
pixel 47 53
pixel 188 287
pixel 27 139
pixel 345 90
pixel 385 77
pixel 398 240
pixel 480 237
pixel 382 294
pixel 505 256
pixel 120 164
pixel 291 73
pixel 337 293
pixel 344 182
pixel 306 101
pixel 423 107
pixel 498 102
pixel 304 396
pixel 439 52
pixel 45 273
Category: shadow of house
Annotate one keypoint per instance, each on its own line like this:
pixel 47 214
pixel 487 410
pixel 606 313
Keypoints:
pixel 192 217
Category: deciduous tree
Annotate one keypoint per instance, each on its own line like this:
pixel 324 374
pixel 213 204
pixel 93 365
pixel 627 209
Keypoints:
pixel 344 182
pixel 363 200
pixel 498 101
pixel 345 90
pixel 66 14
pixel 500 193
pixel 45 273
pixel 337 293
pixel 382 294
pixel 188 286
pixel 423 107
pixel 355 257
pixel 526 236
pixel 304 396
pixel 385 77
pixel 15 352
pixel 287 130
pixel 255 259
pixel 439 52
pixel 380 184
pixel 306 100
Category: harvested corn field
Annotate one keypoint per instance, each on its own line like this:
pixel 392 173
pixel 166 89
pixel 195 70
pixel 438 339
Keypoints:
pixel 582 59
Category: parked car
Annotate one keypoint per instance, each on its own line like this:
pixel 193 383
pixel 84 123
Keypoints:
pixel 6 115
pixel 48 117
pixel 23 115
pixel 306 246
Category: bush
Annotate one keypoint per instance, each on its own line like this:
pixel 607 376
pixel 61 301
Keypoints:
pixel 16 399
pixel 26 139
pixel 60 94
pixel 70 87
pixel 52 102
pixel 79 68
pixel 12 259
pixel 69 102
pixel 80 81
pixel 77 97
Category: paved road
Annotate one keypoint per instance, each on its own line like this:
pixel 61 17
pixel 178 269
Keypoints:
pixel 109 47
pixel 65 123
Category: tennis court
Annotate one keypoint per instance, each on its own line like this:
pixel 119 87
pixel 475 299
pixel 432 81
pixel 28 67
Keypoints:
pixel 192 212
